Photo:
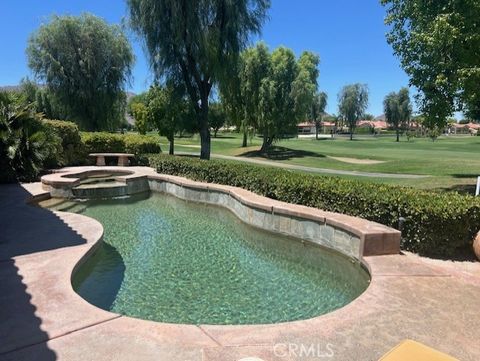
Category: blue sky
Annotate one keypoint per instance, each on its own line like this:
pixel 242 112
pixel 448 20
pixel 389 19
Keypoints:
pixel 349 36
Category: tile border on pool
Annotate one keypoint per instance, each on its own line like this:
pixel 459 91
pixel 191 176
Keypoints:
pixel 352 236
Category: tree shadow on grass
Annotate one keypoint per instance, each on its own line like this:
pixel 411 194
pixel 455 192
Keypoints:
pixel 466 175
pixel 281 153
pixel 466 189
pixel 223 137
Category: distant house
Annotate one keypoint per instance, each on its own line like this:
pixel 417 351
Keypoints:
pixel 306 128
pixel 373 124
pixel 309 127
pixel 328 127
pixel 469 128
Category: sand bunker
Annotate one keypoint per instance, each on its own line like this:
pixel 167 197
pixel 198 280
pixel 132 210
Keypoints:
pixel 356 160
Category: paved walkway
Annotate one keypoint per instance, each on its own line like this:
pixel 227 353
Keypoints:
pixel 43 319
pixel 313 169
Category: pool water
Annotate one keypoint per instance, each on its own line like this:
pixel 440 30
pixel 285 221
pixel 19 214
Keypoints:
pixel 170 260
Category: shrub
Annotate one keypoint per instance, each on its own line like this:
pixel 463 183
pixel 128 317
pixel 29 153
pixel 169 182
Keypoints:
pixel 141 144
pixel 435 223
pixel 25 142
pixel 102 142
pixel 73 150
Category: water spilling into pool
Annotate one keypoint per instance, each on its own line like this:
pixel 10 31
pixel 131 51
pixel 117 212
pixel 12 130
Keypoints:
pixel 169 260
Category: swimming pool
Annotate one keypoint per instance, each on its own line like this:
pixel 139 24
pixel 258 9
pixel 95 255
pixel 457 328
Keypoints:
pixel 170 260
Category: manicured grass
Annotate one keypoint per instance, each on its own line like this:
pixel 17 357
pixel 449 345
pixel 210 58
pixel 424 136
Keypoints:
pixel 451 162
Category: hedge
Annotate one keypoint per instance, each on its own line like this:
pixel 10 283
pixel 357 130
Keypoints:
pixel 77 145
pixel 98 142
pixel 73 151
pixel 438 224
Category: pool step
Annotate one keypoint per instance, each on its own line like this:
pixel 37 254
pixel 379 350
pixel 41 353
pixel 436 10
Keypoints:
pixel 97 191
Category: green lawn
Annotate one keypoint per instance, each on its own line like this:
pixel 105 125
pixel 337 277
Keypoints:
pixel 451 162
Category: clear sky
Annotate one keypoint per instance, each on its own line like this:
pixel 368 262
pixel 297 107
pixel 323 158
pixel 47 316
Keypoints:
pixel 349 36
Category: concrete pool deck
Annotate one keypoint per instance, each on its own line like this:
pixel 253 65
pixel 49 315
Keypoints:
pixel 42 318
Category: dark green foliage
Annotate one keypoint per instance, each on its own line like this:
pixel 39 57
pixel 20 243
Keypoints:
pixel 25 143
pixel 438 45
pixel 317 110
pixel 99 142
pixel 435 223
pixel 73 150
pixel 40 99
pixel 217 117
pixel 85 64
pixel 196 43
pixel 352 103
pixel 168 111
pixel 398 110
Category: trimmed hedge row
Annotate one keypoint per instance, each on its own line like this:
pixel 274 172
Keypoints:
pixel 76 145
pixel 437 224
pixel 98 142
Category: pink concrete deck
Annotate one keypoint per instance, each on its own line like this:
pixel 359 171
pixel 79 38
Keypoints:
pixel 42 318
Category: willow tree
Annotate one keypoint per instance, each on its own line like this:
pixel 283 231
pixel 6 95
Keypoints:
pixel 317 110
pixel 255 68
pixel 240 93
pixel 352 103
pixel 397 110
pixel 304 87
pixel 85 64
pixel 196 43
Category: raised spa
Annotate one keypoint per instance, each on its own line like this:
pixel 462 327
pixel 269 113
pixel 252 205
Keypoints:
pixel 170 260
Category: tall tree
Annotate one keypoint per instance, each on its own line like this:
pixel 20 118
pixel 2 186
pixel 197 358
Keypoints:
pixel 438 44
pixel 317 111
pixel 405 108
pixel 353 101
pixel 255 68
pixel 232 100
pixel 286 94
pixel 85 64
pixel 217 117
pixel 305 85
pixel 167 111
pixel 277 106
pixel 196 43
pixel 139 112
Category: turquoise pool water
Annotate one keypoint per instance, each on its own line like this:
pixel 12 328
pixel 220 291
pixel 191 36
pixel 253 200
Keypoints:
pixel 169 260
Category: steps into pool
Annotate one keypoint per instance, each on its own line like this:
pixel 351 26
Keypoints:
pixel 95 184
pixel 100 190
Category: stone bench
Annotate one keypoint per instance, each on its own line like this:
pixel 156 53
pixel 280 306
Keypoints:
pixel 122 158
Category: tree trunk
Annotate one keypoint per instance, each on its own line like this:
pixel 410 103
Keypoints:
pixel 204 143
pixel 215 130
pixel 244 143
pixel 316 130
pixel 204 128
pixel 267 142
pixel 172 144
pixel 398 135
pixel 351 133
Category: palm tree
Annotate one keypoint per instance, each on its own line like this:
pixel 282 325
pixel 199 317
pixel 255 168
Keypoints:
pixel 24 142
